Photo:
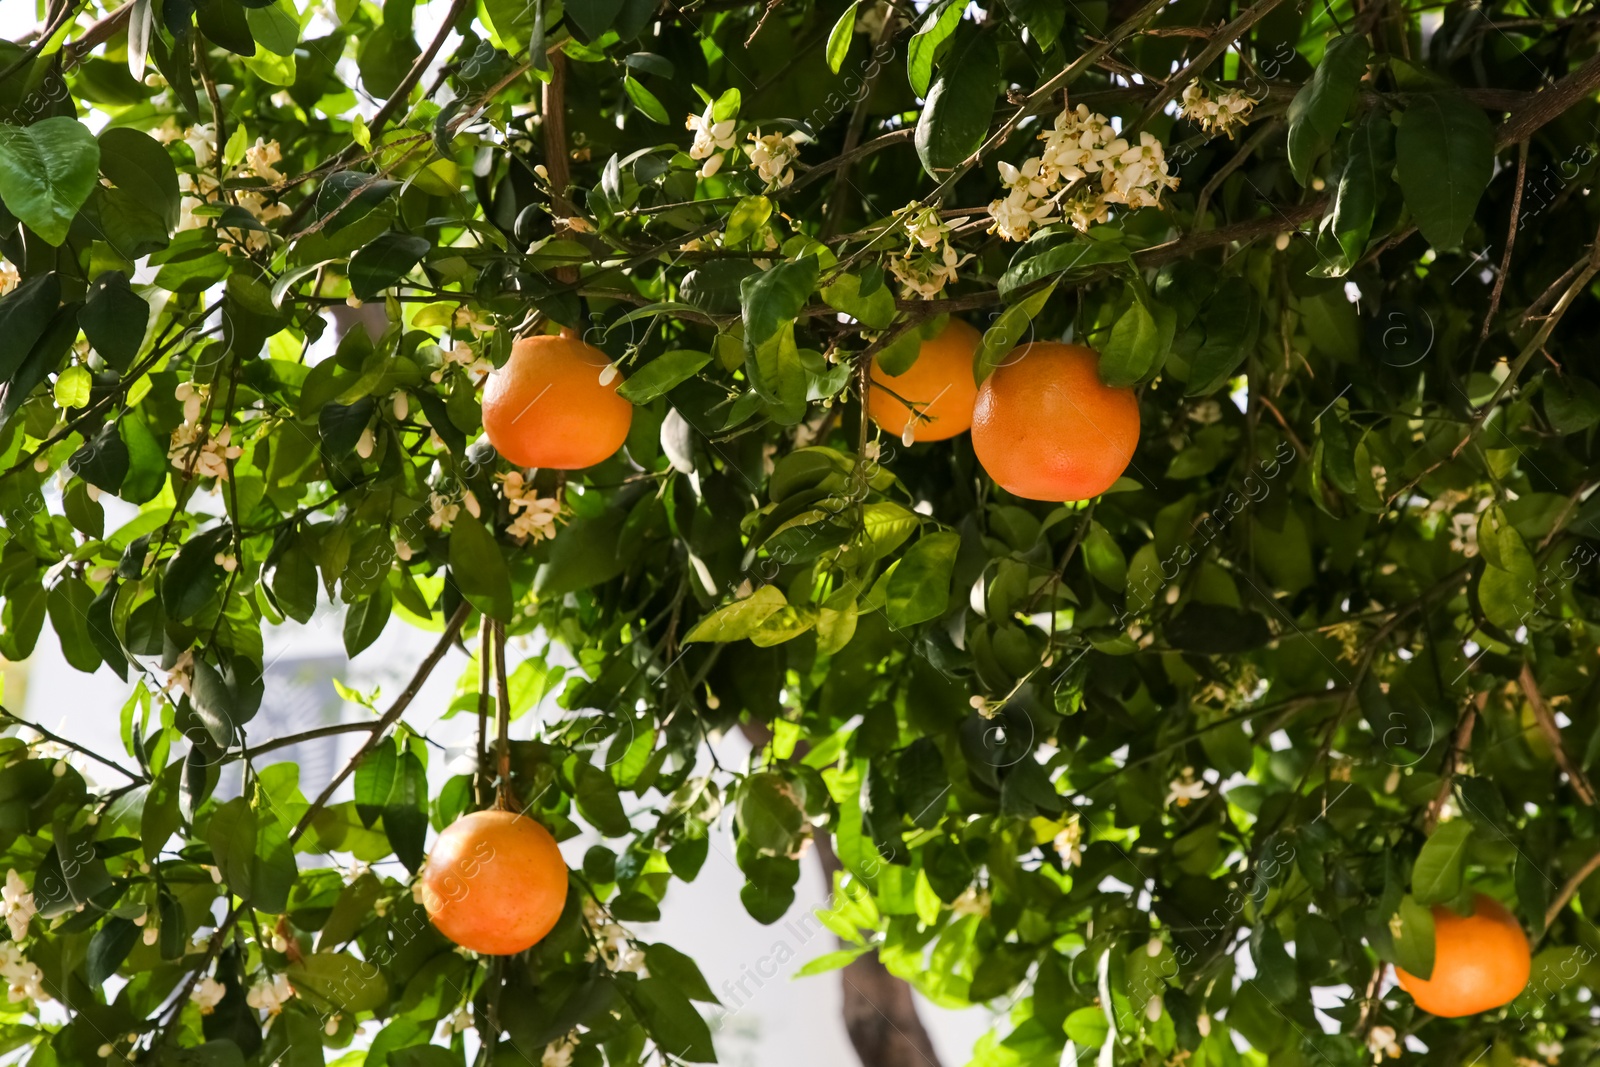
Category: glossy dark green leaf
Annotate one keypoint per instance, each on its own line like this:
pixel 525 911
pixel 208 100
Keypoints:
pixel 1319 108
pixel 47 171
pixel 1444 157
pixel 955 118
pixel 479 568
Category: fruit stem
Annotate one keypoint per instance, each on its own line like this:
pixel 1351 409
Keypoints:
pixel 506 800
pixel 485 666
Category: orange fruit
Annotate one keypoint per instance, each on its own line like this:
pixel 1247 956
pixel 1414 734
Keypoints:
pixel 939 383
pixel 547 408
pixel 1047 428
pixel 495 882
pixel 1480 961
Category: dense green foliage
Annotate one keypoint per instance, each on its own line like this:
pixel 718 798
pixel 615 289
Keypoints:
pixel 1146 771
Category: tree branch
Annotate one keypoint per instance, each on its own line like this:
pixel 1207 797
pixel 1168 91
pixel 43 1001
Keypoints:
pixel 1552 732
pixel 388 718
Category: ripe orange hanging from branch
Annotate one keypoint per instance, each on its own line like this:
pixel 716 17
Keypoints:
pixel 495 882
pixel 939 384
pixel 547 408
pixel 1047 428
pixel 1480 961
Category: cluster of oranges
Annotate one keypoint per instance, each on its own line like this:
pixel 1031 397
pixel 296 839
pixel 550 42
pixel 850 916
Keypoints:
pixel 1044 425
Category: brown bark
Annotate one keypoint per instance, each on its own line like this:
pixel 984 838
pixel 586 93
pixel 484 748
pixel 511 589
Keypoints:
pixel 879 1013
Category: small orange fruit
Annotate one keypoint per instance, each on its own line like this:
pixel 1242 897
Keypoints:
pixel 547 408
pixel 939 383
pixel 1480 961
pixel 495 882
pixel 1047 428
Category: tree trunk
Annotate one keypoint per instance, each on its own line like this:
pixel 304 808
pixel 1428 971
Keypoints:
pixel 879 1013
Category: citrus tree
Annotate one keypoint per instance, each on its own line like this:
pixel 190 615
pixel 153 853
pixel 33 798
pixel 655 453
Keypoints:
pixel 1241 661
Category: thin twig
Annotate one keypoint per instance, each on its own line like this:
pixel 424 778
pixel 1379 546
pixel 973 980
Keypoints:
pixel 1505 256
pixel 485 667
pixel 1453 760
pixel 1552 732
pixel 402 92
pixel 388 718
pixel 1569 889
pixel 48 735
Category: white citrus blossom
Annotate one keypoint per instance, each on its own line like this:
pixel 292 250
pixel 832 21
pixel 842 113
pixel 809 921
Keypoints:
pixel 773 157
pixel 559 1053
pixel 270 994
pixel 207 994
pixel 928 275
pixel 1078 144
pixel 1137 174
pixel 1016 214
pixel 261 159
pixel 197 452
pixel 1069 843
pixel 444 511
pixel 613 944
pixel 462 355
pixel 1382 1041
pixel 16 901
pixel 24 980
pixel 202 139
pixel 1185 789
pixel 712 140
pixel 532 516
pixel 1223 113
pixel 9 277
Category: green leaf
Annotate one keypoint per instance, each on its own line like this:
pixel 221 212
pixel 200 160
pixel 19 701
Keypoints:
pixel 231 833
pixel 768 814
pixel 1437 875
pixel 72 387
pixel 833 961
pixel 1413 948
pixel 645 100
pixel 1087 1027
pixel 374 780
pixel 661 375
pixel 479 568
pixel 138 164
pixel 1367 173
pixel 928 42
pixel 1229 323
pixel 114 319
pixel 108 948
pixel 737 621
pixel 840 36
pixel 274 27
pixel 1137 346
pixel 598 800
pixel 1444 157
pixel 919 588
pixel 405 815
pixel 47 171
pixel 384 262
pixel 955 119
pixel 666 962
pixel 673 1023
pixel 341 980
pixel 1319 108
pixel 69 602
pixel 1058 257
pixel 1014 325
pixel 874 309
pixel 365 619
